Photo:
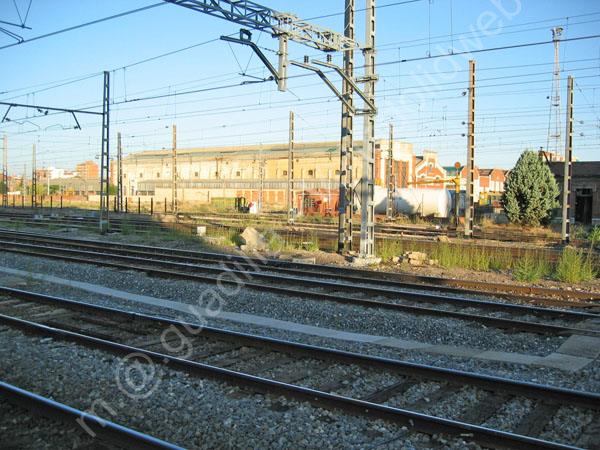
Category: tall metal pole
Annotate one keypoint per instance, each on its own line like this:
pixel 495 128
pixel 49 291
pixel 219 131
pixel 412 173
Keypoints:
pixel 346 202
pixel 261 179
pixel 23 184
pixel 367 224
pixel 290 172
pixel 389 176
pixel 566 220
pixel 5 173
pixel 555 95
pixel 33 180
pixel 283 62
pixel 119 174
pixel 174 206
pixel 105 158
pixel 469 208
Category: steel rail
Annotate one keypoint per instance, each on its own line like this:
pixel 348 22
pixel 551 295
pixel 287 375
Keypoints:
pixel 107 430
pixel 392 279
pixel 419 422
pixel 140 264
pixel 487 382
pixel 434 282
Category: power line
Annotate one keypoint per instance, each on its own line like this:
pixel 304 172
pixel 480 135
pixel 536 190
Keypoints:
pixel 93 22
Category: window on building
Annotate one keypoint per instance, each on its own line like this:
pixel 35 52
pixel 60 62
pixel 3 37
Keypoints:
pixel 311 173
pixel 124 175
pixel 196 174
pixel 337 172
pixel 285 173
pixel 157 174
pixel 309 202
pixel 238 173
pixel 140 175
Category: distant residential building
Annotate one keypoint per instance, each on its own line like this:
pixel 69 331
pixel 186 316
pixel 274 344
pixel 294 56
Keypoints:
pixel 88 169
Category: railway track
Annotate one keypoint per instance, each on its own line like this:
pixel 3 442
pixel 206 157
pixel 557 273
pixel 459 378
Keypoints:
pixel 107 431
pixel 420 397
pixel 361 288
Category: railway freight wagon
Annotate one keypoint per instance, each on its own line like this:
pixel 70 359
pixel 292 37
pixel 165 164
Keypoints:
pixel 415 201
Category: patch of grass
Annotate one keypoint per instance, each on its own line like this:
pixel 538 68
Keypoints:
pixel 276 242
pixel 594 236
pixel 528 268
pixel 574 266
pixel 388 249
pixel 126 228
pixel 310 243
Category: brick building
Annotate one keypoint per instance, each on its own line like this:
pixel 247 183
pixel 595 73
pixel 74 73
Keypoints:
pixel 585 184
pixel 88 169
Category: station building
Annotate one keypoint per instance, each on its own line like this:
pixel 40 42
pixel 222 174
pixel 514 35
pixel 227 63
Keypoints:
pixel 207 174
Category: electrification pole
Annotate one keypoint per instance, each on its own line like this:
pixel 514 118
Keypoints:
pixel 105 159
pixel 174 206
pixel 290 172
pixel 469 208
pixel 566 219
pixel 33 180
pixel 261 179
pixel 346 202
pixel 119 173
pixel 5 173
pixel 389 176
pixel 555 96
pixel 23 184
pixel 367 225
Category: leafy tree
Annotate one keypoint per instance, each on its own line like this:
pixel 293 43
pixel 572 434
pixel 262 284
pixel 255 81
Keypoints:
pixel 530 191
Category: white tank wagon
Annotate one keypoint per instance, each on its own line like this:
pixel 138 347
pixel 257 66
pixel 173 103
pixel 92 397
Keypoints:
pixel 415 201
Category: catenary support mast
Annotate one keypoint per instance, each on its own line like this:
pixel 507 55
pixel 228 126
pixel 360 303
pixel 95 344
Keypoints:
pixel 566 200
pixel 470 188
pixel 346 201
pixel 367 225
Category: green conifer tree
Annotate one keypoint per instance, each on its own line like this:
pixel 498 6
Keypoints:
pixel 530 191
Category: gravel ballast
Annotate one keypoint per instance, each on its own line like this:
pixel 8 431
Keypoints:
pixel 348 318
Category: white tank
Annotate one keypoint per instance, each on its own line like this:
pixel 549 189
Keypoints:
pixel 419 201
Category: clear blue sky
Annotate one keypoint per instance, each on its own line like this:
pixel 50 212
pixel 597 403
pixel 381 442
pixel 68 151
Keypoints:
pixel 421 96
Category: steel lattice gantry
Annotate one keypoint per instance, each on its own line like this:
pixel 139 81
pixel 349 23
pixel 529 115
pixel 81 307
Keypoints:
pixel 258 17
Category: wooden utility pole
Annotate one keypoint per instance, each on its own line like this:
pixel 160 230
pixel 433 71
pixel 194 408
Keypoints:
pixel 566 200
pixel 290 172
pixel 470 188
pixel 389 176
pixel 174 206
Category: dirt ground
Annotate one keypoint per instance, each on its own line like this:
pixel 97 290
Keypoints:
pixel 492 276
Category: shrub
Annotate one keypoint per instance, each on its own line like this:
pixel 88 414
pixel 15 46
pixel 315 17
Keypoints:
pixel 530 191
pixel 573 266
pixel 530 269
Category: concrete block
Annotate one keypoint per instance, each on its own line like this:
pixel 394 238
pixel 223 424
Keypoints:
pixel 201 230
pixel 577 345
pixel 363 262
pixel 564 362
pixel 453 351
pixel 515 358
pixel 305 260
